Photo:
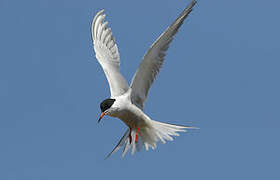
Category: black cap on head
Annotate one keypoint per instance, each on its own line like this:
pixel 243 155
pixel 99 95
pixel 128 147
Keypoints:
pixel 106 104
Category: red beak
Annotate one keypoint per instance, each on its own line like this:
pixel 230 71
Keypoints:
pixel 101 116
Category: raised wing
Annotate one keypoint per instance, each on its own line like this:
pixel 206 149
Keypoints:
pixel 107 54
pixel 153 60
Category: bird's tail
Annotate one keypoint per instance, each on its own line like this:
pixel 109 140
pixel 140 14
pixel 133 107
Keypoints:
pixel 148 136
pixel 159 131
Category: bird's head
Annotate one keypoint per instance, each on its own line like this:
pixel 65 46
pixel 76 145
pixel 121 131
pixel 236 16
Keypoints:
pixel 105 107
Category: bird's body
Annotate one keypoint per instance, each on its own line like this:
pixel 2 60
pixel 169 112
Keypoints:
pixel 127 102
pixel 126 111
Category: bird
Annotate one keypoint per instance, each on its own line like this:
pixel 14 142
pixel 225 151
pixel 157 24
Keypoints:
pixel 127 101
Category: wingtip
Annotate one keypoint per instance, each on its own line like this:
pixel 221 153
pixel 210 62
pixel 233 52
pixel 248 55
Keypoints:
pixel 99 13
pixel 191 5
pixel 194 1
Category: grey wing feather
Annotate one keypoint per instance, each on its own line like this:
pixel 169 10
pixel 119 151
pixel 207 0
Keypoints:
pixel 153 60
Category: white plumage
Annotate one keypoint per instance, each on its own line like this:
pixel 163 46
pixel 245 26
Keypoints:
pixel 127 102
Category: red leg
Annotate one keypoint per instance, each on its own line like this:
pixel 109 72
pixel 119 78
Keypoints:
pixel 136 137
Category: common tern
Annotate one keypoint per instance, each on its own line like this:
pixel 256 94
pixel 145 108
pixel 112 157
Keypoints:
pixel 127 101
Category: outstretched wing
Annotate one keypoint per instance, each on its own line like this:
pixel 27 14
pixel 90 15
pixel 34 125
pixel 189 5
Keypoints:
pixel 153 60
pixel 107 54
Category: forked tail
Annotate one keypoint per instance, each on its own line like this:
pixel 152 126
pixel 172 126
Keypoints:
pixel 148 136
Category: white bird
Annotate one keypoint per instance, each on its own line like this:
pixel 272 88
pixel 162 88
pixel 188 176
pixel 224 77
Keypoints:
pixel 127 102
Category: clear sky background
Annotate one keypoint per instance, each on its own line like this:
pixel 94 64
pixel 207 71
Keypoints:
pixel 221 74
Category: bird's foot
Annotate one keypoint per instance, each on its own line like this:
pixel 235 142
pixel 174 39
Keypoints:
pixel 136 136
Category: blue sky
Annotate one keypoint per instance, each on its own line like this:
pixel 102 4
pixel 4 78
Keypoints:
pixel 221 74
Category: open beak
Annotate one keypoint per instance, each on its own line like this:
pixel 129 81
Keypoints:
pixel 101 116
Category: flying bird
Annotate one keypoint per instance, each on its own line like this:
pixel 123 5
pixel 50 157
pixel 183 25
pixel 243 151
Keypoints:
pixel 127 101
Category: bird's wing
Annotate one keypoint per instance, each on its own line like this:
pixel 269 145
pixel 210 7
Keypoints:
pixel 107 54
pixel 153 60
